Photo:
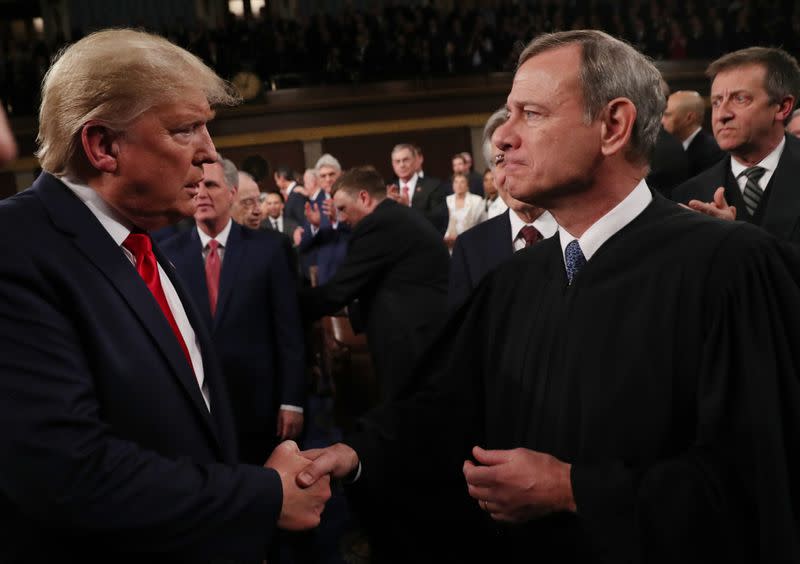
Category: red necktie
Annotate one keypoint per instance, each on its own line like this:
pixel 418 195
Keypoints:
pixel 146 265
pixel 530 234
pixel 404 191
pixel 213 267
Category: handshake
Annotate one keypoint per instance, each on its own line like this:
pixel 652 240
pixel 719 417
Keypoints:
pixel 306 480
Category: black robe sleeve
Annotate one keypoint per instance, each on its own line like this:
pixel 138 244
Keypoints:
pixel 732 496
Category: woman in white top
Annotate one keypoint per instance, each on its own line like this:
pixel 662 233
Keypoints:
pixel 493 202
pixel 465 209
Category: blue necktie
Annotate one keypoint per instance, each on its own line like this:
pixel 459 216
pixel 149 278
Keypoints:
pixel 573 259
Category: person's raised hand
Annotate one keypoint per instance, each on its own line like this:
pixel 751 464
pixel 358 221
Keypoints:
pixel 312 214
pixel 718 208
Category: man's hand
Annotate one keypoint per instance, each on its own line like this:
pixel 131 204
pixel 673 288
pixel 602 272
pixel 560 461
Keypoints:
pixel 301 507
pixel 719 208
pixel 338 460
pixel 393 192
pixel 329 209
pixel 312 214
pixel 297 236
pixel 290 424
pixel 520 484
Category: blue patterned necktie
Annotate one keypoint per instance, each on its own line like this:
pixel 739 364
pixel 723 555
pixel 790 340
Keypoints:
pixel 573 259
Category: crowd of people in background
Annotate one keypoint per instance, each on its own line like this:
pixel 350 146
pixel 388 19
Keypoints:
pixel 571 366
pixel 390 42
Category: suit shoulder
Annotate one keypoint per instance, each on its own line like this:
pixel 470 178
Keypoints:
pixel 21 214
pixel 176 242
pixel 479 232
pixel 700 185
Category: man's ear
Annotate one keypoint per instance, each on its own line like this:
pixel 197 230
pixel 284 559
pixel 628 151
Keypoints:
pixel 101 146
pixel 617 125
pixel 785 107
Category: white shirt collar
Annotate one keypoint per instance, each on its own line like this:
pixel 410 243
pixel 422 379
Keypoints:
pixel 602 229
pixel 412 182
pixel 117 226
pixel 770 163
pixel 290 188
pixel 688 140
pixel 222 236
pixel 544 224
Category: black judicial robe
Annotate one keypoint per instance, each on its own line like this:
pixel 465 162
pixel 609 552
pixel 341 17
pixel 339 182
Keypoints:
pixel 666 374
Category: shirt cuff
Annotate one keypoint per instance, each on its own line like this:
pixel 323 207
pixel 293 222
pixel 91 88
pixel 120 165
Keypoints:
pixel 291 408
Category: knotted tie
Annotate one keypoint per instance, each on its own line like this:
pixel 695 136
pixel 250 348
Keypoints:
pixel 404 192
pixel 213 267
pixel 274 223
pixel 752 192
pixel 573 259
pixel 140 245
pixel 530 234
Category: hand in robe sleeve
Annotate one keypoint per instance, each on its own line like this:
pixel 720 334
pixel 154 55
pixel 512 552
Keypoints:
pixel 733 496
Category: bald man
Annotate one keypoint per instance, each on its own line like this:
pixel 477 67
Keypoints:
pixel 683 118
pixel 246 210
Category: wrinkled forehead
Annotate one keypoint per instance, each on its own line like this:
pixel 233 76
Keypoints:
pixel 748 77
pixel 248 189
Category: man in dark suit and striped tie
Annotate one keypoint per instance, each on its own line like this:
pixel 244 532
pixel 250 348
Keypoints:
pixel 753 93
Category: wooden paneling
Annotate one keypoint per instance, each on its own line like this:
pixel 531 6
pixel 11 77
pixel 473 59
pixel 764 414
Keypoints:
pixel 8 184
pixel 276 154
pixel 438 145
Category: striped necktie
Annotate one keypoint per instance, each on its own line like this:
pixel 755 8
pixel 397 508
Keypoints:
pixel 752 192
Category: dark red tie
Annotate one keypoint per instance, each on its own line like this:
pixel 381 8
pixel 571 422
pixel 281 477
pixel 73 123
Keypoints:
pixel 213 267
pixel 146 265
pixel 530 234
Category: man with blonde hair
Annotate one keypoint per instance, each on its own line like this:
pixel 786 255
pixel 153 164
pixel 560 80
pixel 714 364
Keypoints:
pixel 115 427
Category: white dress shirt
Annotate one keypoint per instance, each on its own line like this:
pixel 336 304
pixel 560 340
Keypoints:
pixel 602 229
pixel 688 141
pixel 117 227
pixel 769 163
pixel 495 208
pixel 412 187
pixel 544 224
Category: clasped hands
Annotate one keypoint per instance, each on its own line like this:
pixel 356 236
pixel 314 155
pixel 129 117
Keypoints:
pixel 510 485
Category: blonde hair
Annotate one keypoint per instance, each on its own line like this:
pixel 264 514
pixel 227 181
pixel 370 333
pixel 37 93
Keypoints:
pixel 114 76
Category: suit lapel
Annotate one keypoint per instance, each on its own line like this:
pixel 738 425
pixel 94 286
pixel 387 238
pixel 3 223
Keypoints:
pixel 234 250
pixel 783 205
pixel 71 216
pixel 500 241
pixel 190 261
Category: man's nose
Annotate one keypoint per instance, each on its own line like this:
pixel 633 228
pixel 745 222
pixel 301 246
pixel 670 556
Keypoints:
pixel 206 153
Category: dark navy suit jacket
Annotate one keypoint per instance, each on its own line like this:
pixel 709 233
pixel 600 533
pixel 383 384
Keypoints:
pixel 109 451
pixel 328 245
pixel 256 330
pixel 477 252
